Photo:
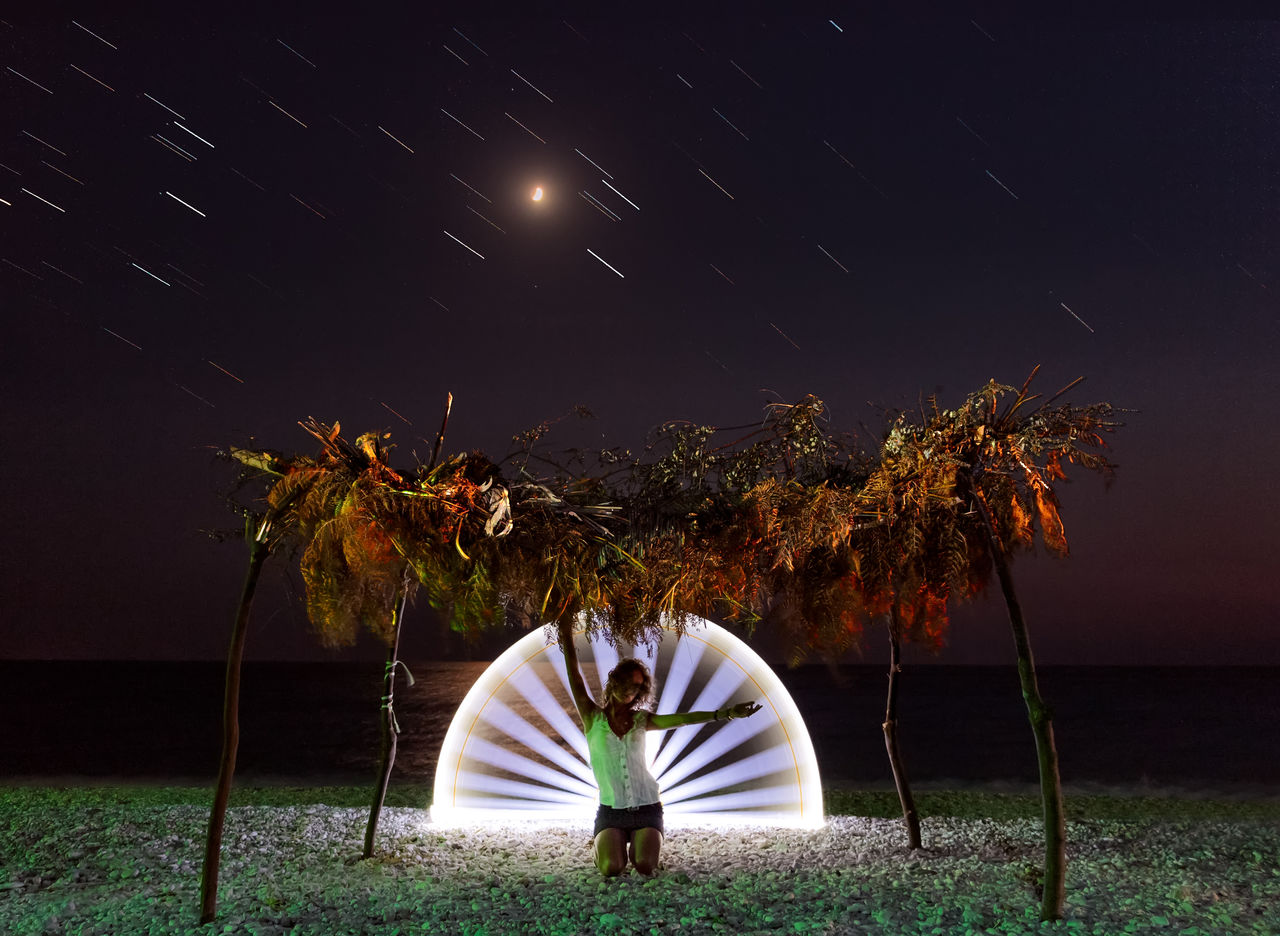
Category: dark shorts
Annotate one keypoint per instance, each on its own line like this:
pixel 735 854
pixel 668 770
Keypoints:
pixel 641 817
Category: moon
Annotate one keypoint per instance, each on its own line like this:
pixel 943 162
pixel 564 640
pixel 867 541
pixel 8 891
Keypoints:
pixel 537 193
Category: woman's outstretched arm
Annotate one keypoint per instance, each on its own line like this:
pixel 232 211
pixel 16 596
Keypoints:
pixel 577 687
pixel 676 719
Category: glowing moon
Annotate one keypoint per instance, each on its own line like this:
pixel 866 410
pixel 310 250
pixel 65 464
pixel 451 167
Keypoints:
pixel 537 193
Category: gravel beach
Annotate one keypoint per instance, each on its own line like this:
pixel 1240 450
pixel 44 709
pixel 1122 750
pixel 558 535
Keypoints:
pixel 100 867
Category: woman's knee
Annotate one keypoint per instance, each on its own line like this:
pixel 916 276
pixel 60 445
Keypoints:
pixel 611 852
pixel 611 865
pixel 645 850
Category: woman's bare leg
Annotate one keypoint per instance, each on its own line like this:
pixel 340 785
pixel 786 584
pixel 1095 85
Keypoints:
pixel 611 852
pixel 646 848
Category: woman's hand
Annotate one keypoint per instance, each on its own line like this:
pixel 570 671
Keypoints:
pixel 742 710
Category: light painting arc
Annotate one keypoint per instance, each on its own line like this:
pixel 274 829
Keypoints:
pixel 515 748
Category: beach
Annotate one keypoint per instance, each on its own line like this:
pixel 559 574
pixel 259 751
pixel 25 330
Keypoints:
pixel 124 860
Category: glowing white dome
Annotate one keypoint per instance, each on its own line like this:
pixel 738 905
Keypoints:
pixel 515 749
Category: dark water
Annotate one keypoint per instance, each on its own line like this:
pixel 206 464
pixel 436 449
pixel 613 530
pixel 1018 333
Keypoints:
pixel 1186 727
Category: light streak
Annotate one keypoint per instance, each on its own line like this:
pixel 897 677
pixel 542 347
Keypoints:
pixel 835 24
pixel 981 30
pixel 606 263
pixel 1078 318
pixel 197 396
pixel 173 149
pixel 45 200
pixel 473 45
pixel 595 203
pixel 530 84
pixel 531 688
pixel 784 335
pixel 575 32
pixel 461 124
pixel 63 272
pixel 9 203
pixel 590 160
pixel 95 35
pixel 832 259
pixel 748 768
pixel 745 75
pixel 44 143
pixel 305 205
pixel 722 273
pixel 685 80
pixel 606 658
pixel 165 139
pixel 11 169
pixel 225 371
pixel 523 127
pixel 394 413
pixel 344 126
pixel 476 252
pixel 731 124
pixel 1240 267
pixel 724 683
pixel 456 55
pixel 34 276
pixel 285 112
pixel 194 134
pixel 1001 184
pixel 456 179
pixel 396 138
pixel 438 302
pixel 528 793
pixel 855 169
pixel 721 742
pixel 28 80
pixel 181 202
pixel 484 219
pixel 973 131
pixel 182 272
pixel 620 195
pixel 91 78
pixel 695 43
pixel 296 52
pixel 149 273
pixel 716 184
pixel 121 337
pixel 165 106
pixel 60 172
pixel 246 178
pixel 514 726
pixel 498 762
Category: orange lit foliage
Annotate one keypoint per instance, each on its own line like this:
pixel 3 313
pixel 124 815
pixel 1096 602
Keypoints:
pixel 930 546
pixel 783 524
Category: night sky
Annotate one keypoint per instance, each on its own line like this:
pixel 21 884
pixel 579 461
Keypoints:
pixel 212 227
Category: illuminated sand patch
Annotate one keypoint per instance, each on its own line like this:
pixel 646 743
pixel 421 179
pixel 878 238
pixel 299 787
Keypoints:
pixel 515 748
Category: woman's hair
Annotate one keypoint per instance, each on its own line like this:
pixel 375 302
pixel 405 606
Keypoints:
pixel 622 675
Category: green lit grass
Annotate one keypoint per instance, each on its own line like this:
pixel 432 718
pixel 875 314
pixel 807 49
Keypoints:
pixel 958 804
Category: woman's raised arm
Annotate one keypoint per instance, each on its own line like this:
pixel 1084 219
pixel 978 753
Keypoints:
pixel 577 687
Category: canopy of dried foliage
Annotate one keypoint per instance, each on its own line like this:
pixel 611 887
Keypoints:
pixel 785 522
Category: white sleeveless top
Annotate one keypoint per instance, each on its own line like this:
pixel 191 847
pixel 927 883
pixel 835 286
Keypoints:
pixel 619 764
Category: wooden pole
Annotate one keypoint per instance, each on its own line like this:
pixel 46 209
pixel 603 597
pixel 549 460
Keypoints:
pixel 389 729
pixel 890 726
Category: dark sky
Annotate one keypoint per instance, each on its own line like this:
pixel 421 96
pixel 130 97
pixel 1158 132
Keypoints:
pixel 250 228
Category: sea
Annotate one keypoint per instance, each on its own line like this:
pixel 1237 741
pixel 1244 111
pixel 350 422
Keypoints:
pixel 1210 730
